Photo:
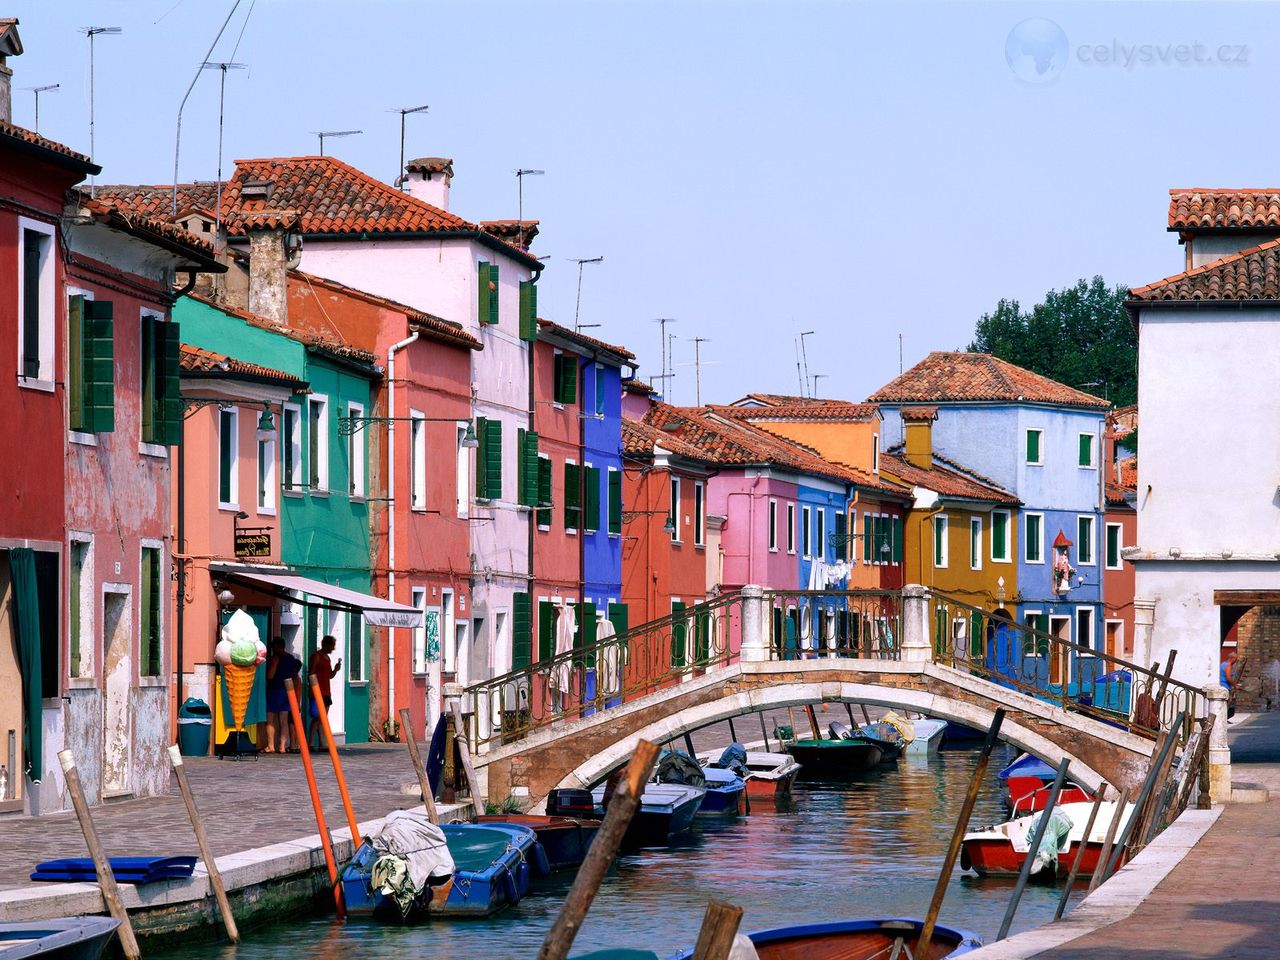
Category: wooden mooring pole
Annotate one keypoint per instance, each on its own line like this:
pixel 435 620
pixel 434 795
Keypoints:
pixel 1084 845
pixel 1109 839
pixel 719 927
pixel 1037 835
pixel 202 841
pixel 464 751
pixel 424 782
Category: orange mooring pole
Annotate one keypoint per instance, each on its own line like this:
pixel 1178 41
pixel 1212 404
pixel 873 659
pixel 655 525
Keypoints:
pixel 337 766
pixel 325 841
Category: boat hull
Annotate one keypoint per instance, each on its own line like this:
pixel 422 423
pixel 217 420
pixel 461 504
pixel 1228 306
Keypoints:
pixel 1031 794
pixel 834 759
pixel 997 858
pixel 855 940
pixel 67 938
pixel 771 785
pixel 564 840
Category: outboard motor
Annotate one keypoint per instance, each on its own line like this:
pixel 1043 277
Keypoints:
pixel 839 731
pixel 571 802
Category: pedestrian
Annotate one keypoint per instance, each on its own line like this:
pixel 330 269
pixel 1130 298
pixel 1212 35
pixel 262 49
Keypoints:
pixel 282 668
pixel 1227 677
pixel 323 670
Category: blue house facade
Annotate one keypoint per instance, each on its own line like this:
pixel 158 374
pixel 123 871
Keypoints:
pixel 822 524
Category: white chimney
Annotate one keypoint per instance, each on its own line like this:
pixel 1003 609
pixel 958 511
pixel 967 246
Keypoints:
pixel 10 46
pixel 428 178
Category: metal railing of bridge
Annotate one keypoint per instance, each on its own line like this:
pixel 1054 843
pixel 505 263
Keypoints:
pixel 809 624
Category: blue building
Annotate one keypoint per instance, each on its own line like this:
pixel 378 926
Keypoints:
pixel 822 527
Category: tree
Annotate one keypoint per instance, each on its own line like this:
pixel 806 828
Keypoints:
pixel 1081 336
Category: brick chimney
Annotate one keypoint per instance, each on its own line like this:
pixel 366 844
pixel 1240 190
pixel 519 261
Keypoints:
pixel 428 179
pixel 10 46
pixel 917 425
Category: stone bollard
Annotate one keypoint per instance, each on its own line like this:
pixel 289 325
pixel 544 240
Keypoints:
pixel 1219 751
pixel 755 640
pixel 915 624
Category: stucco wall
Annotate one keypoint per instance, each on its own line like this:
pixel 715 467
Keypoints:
pixel 743 497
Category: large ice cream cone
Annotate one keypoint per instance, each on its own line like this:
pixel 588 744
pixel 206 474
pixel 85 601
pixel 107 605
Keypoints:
pixel 239 681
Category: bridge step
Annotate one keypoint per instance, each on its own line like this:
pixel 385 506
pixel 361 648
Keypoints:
pixel 1249 793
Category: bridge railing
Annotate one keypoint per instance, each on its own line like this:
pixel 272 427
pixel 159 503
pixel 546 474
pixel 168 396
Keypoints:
pixel 813 624
pixel 1076 677
pixel 588 678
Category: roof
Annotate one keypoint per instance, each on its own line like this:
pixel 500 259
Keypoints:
pixel 1251 274
pixel 636 385
pixel 1200 208
pixel 639 439
pixel 774 400
pixel 1118 495
pixel 155 231
pixel 590 343
pixel 841 410
pixel 963 377
pixel 338 348
pixel 31 142
pixel 431 165
pixel 946 478
pixel 517 232
pixel 156 200
pixel 920 414
pixel 198 362
pixel 10 42
pixel 1061 541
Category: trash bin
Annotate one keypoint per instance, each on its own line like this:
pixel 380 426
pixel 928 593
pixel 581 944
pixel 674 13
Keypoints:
pixel 195 724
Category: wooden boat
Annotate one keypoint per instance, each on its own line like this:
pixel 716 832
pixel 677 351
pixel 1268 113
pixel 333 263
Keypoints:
pixel 564 840
pixel 491 872
pixel 999 850
pixel 1026 783
pixel 724 793
pixel 929 734
pixel 856 940
pixel 666 809
pixel 884 735
pixel 65 938
pixel 833 759
pixel 769 774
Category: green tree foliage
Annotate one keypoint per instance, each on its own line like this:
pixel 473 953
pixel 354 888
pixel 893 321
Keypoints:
pixel 1080 336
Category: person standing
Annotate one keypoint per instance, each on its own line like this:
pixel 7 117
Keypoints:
pixel 323 670
pixel 1227 677
pixel 282 668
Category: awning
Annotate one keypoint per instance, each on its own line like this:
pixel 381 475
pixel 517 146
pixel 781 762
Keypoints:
pixel 288 586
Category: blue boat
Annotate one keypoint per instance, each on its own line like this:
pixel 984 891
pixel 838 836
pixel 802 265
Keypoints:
pixel 491 872
pixel 856 940
pixel 666 809
pixel 564 840
pixel 724 793
pixel 66 938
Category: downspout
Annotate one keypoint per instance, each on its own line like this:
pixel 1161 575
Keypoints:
pixel 183 572
pixel 391 514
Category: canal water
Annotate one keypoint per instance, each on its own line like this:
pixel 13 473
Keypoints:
pixel 871 848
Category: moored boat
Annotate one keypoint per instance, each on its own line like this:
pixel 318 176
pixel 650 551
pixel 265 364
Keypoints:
pixel 857 940
pixel 768 774
pixel 1026 783
pixel 564 840
pixel 833 759
pixel 928 736
pixel 64 938
pixel 887 736
pixel 666 809
pixel 724 793
pixel 1001 849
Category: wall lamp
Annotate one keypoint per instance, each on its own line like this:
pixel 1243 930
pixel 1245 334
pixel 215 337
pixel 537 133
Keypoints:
pixel 347 426
pixel 668 527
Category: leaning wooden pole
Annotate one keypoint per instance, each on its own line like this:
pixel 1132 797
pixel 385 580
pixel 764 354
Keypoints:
pixel 415 756
pixel 326 842
pixel 352 824
pixel 202 841
pixel 622 807
pixel 719 927
pixel 1144 796
pixel 106 879
pixel 1084 845
pixel 957 836
pixel 1109 839
pixel 1037 835
pixel 464 751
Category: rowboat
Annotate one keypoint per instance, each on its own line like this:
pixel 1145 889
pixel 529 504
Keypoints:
pixel 929 734
pixel 856 940
pixel 724 793
pixel 564 840
pixel 666 809
pixel 833 759
pixel 884 735
pixel 1000 849
pixel 768 774
pixel 1026 783
pixel 65 938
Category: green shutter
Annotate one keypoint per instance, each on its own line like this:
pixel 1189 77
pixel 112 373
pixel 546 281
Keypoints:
pixel 615 501
pixel 522 630
pixel 618 617
pixel 528 310
pixel 940 630
pixel 546 630
pixel 975 635
pixel 1086 450
pixel 586 638
pixel 701 635
pixel 999 523
pixel 1033 446
pixel 169 382
pixel 572 496
pixel 842 537
pixel 486 305
pixel 939 534
pixel 566 383
pixel 149 379
pixel 98 376
pixel 493 293
pixel 866 538
pixel 543 516
pixel 591 521
pixel 482 473
pixel 896 546
pixel 493 458
pixel 77 385
pixel 679 630
pixel 527 448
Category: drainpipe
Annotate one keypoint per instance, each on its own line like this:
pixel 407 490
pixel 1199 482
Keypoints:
pixel 183 571
pixel 391 513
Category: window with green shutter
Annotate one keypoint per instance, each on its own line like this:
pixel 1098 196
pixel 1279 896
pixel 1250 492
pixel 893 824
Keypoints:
pixel 617 614
pixel 896 536
pixel 976 631
pixel 939 541
pixel 701 636
pixel 842 538
pixel 1033 446
pixel 1000 535
pixel 866 537
pixel 488 459
pixel 161 384
pixel 679 633
pixel 546 630
pixel 1113 546
pixel 566 378
pixel 488 292
pixel 591 498
pixel 528 310
pixel 152 605
pixel 586 638
pixel 521 630
pixel 615 500
pixel 527 481
pixel 572 496
pixel 91 365
pixel 543 513
pixel 1086 449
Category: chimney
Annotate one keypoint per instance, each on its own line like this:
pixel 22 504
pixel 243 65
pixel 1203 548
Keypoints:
pixel 917 424
pixel 428 178
pixel 10 46
pixel 268 266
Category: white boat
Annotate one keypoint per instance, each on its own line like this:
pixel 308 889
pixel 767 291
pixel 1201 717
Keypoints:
pixel 1000 849
pixel 928 736
pixel 770 774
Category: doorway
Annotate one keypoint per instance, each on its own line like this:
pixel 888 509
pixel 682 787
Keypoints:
pixel 117 680
pixel 10 706
pixel 1059 670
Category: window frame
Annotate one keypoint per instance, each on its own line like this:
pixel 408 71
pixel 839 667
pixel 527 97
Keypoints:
pixel 1106 549
pixel 547 512
pixel 46 375
pixel 318 445
pixel 820 532
pixel 875 453
pixel 975 543
pixel 87 437
pixel 773 525
pixel 159 596
pixel 941 544
pixel 357 454
pixel 1085 613
pixel 233 465
pixel 291 442
pixel 1081 540
pixel 1007 545
pixel 80 663
pixel 1026 537
pixel 1039 461
pixel 461 471
pixel 1093 451
pixel 418 645
pixel 806 531
pixel 417 461
pixel 699 513
pixel 791 528
pixel 675 493
pixel 267 483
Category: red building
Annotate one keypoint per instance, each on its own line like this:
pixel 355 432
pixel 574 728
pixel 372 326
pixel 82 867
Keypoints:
pixel 1120 531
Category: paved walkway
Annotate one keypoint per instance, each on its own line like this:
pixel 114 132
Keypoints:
pixel 244 805
pixel 1223 900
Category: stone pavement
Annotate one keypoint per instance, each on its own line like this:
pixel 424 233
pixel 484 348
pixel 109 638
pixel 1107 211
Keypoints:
pixel 244 804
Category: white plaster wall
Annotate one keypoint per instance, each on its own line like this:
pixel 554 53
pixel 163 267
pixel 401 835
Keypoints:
pixel 1206 248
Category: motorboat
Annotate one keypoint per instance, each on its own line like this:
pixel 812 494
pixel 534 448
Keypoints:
pixel 1001 849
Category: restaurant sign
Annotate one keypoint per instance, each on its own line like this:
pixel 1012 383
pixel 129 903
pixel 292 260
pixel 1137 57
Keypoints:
pixel 256 544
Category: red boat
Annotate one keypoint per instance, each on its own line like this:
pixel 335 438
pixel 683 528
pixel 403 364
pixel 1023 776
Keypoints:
pixel 771 774
pixel 1000 850
pixel 1027 782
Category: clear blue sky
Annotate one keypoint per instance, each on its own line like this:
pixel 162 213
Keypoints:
pixel 751 169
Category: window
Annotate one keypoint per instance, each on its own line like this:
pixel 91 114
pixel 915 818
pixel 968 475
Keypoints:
pixel 489 459
pixel 1000 535
pixel 1034 450
pixel 602 389
pixel 806 519
pixel 875 453
pixel 773 526
pixel 36 294
pixel 266 476
pixel 591 498
pixel 228 457
pixel 462 473
pixel 417 461
pixel 91 365
pixel 161 383
pixel 1033 538
pixel 820 545
pixel 418 600
pixel 80 620
pixel 940 541
pixel 355 647
pixel 975 543
pixel 521 630
pixel 1034 645
pixel 675 509
pixel 895 536
pixel 566 378
pixel 488 292
pixel 842 537
pixel 615 501
pixel 528 310
pixel 791 528
pixel 318 443
pixel 699 513
pixel 868 529
pixel 527 472
pixel 572 496
pixel 291 440
pixel 543 514
pixel 1086 449
pixel 1115 535
pixel 1084 626
pixel 1084 540
pixel 355 452
pixel 153 599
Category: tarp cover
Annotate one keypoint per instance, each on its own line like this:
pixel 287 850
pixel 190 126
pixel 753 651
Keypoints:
pixel 676 767
pixel 419 841
pixel 1055 832
pixel 734 758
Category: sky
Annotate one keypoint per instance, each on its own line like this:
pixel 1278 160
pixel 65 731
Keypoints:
pixel 875 173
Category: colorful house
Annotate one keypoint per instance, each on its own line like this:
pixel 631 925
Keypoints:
pixel 1120 532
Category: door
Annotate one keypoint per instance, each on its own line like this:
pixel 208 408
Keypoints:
pixel 117 680
pixel 10 706
pixel 1059 672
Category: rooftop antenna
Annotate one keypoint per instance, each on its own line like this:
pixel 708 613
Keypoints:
pixel 37 91
pixel 520 175
pixel 222 67
pixel 92 32
pixel 662 324
pixel 697 368
pixel 799 371
pixel 577 307
pixel 671 355
pixel 177 134
pixel 404 112
pixel 803 355
pixel 816 378
pixel 333 133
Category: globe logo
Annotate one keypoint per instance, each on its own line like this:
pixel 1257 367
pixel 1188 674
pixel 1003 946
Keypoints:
pixel 1036 50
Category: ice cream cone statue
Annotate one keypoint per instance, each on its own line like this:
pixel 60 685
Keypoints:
pixel 239 653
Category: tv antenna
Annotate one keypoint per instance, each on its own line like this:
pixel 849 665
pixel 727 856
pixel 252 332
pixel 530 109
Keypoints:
pixel 697 368
pixel 222 68
pixel 816 378
pixel 37 91
pixel 92 32
pixel 404 112
pixel 577 307
pixel 333 134
pixel 805 358
pixel 520 175
pixel 662 324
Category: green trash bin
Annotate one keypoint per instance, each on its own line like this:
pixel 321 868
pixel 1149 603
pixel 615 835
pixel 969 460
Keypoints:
pixel 195 726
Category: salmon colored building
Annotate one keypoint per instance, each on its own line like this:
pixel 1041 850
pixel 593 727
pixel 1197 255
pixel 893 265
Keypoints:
pixel 1120 530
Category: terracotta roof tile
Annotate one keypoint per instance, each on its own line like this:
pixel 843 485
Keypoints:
pixel 639 439
pixel 945 479
pixel 196 361
pixel 840 410
pixel 509 231
pixel 1116 494
pixel 1252 274
pixel 774 400
pixel 336 347
pixel 152 229
pixel 1207 209
pixel 586 341
pixel 968 377
pixel 919 414
pixel 156 200
pixel 32 139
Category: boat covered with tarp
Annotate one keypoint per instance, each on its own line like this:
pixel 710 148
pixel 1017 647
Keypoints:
pixel 767 774
pixel 1002 848
pixel 1026 783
